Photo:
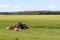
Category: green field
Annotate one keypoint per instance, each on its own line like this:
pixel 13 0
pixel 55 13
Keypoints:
pixel 44 27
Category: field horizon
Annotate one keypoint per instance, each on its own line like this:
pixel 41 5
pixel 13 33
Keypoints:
pixel 44 27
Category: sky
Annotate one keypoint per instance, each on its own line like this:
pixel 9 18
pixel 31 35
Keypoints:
pixel 29 5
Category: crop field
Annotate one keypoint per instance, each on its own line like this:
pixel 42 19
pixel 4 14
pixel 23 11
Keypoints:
pixel 44 27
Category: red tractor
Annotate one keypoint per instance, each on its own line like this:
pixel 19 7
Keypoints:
pixel 19 26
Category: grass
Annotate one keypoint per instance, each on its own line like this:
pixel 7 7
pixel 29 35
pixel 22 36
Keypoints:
pixel 44 27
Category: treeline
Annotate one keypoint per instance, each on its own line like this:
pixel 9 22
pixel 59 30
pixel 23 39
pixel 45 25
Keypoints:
pixel 31 13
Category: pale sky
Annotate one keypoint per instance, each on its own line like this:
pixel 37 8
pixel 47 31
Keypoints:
pixel 28 5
